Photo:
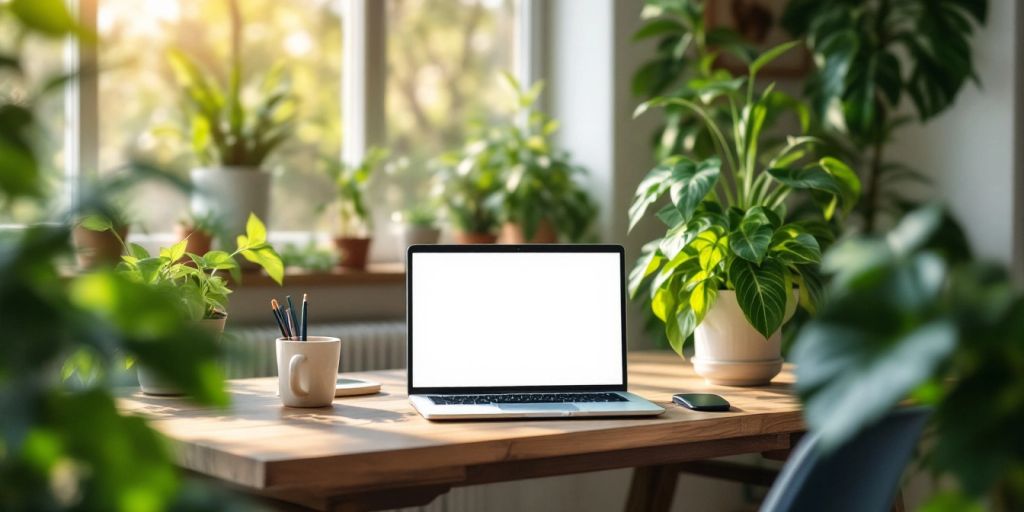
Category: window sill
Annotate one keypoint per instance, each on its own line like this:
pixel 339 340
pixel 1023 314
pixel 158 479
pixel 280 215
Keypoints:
pixel 376 273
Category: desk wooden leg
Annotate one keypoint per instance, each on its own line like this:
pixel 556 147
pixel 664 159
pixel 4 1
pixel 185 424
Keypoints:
pixel 652 489
pixel 897 504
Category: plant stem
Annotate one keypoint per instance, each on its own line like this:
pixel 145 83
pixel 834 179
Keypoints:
pixel 871 198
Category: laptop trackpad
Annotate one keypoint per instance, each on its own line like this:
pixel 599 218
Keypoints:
pixel 538 407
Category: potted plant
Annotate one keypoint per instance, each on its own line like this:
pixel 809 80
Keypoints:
pixel 417 226
pixel 232 132
pixel 355 222
pixel 201 292
pixel 99 240
pixel 542 197
pixel 733 264
pixel 198 230
pixel 466 185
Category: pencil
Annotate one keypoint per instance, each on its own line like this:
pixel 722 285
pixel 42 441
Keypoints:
pixel 295 317
pixel 302 332
pixel 279 311
pixel 280 325
pixel 291 324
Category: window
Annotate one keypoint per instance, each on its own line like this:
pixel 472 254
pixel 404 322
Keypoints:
pixel 443 63
pixel 43 61
pixel 139 109
pixel 438 70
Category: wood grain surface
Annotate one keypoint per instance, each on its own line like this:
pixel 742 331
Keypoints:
pixel 364 443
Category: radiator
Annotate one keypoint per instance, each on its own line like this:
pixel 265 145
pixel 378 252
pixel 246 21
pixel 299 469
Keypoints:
pixel 364 346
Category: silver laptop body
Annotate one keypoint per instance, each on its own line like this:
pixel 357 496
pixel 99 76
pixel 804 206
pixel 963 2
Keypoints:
pixel 518 331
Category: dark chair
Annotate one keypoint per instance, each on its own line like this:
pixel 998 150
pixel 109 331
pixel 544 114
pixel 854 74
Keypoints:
pixel 862 476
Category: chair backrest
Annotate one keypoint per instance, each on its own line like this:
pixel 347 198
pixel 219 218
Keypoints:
pixel 862 475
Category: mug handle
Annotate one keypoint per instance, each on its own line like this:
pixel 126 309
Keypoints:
pixel 293 375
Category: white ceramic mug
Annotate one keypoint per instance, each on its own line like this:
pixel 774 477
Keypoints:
pixel 307 371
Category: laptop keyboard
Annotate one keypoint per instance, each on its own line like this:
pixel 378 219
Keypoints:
pixel 526 398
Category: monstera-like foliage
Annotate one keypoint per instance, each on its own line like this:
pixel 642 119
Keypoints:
pixel 726 218
pixel 873 55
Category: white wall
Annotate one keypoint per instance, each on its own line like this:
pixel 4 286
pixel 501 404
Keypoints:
pixel 591 58
pixel 969 149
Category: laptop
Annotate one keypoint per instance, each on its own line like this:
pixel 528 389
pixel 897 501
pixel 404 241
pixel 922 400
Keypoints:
pixel 518 331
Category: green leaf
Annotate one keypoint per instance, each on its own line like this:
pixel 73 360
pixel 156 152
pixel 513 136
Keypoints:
pixel 703 296
pixel 692 183
pixel 137 251
pixel 648 191
pixel 149 268
pixel 269 260
pixel 96 223
pixel 770 55
pixel 648 263
pixel 848 181
pixel 255 231
pixel 793 246
pixel 751 240
pixel 50 17
pixel 218 260
pixel 813 178
pixel 848 380
pixel 761 293
pixel 176 251
pixel 659 27
pixel 711 247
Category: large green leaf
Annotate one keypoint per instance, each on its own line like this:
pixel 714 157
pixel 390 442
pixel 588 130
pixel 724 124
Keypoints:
pixel 761 293
pixel 50 17
pixel 649 262
pixel 752 238
pixel 812 178
pixel 692 183
pixel 648 191
pixel 659 27
pixel 794 246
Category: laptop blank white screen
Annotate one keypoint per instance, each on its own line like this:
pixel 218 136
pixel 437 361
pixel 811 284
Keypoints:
pixel 516 319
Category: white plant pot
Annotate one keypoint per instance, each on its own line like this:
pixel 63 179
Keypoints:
pixel 417 235
pixel 153 384
pixel 728 351
pixel 231 194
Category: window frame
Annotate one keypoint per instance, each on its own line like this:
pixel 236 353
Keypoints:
pixel 363 89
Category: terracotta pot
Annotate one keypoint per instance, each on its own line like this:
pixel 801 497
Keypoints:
pixel 98 248
pixel 153 384
pixel 199 242
pixel 462 237
pixel 352 252
pixel 512 233
pixel 728 351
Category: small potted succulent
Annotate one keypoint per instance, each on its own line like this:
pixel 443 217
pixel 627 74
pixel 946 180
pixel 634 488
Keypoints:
pixel 417 226
pixel 199 231
pixel 735 262
pixel 99 240
pixel 202 291
pixel 354 217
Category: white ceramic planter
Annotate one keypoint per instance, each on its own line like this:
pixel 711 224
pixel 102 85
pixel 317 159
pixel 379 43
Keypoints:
pixel 416 235
pixel 153 384
pixel 728 351
pixel 230 194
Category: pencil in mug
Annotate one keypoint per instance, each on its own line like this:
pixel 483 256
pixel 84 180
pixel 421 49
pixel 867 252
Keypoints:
pixel 284 320
pixel 291 325
pixel 277 318
pixel 302 327
pixel 294 321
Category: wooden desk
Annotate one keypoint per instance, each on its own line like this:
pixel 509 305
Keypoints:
pixel 377 452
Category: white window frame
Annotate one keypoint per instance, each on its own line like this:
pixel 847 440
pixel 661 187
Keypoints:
pixel 363 90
